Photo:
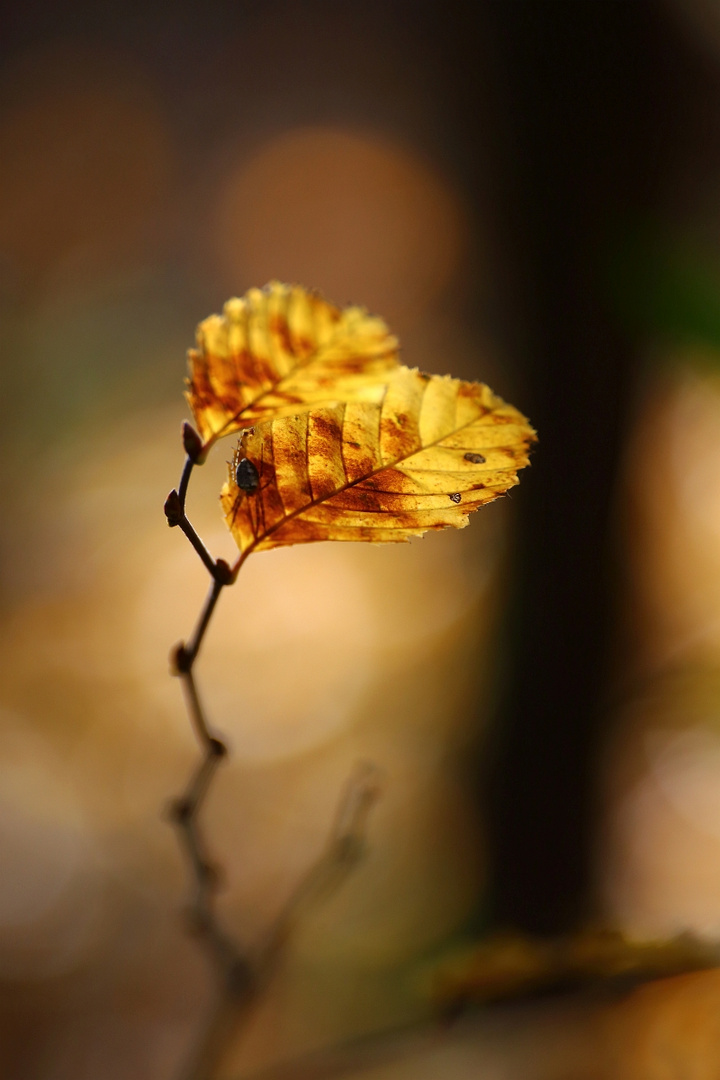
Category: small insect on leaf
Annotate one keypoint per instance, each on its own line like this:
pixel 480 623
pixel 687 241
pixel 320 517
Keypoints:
pixel 246 476
pixel 279 349
pixel 376 471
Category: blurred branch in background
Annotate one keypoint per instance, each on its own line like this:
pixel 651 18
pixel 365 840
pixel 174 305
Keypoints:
pixel 597 108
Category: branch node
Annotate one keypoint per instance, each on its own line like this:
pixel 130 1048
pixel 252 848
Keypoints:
pixel 217 748
pixel 199 921
pixel 192 444
pixel 223 572
pixel 241 980
pixel 173 509
pixel 212 876
pixel 349 849
pixel 180 811
pixel 181 659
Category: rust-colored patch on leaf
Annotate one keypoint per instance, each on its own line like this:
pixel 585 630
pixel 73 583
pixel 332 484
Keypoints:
pixel 422 457
pixel 280 348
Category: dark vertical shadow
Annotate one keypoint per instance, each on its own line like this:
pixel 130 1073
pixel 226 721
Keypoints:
pixel 589 106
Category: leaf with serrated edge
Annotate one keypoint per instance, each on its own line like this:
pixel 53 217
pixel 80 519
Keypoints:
pixel 432 451
pixel 279 349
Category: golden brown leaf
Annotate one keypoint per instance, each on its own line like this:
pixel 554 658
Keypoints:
pixel 433 450
pixel 279 349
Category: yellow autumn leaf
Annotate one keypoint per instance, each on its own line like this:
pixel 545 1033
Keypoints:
pixel 429 453
pixel 279 349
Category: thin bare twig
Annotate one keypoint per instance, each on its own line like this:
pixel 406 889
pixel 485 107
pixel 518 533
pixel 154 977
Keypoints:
pixel 241 973
pixel 247 975
pixel 344 849
pixel 185 810
pixel 185 480
pixel 197 543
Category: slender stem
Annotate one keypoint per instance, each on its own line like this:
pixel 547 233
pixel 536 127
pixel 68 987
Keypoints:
pixel 185 812
pixel 195 712
pixel 176 516
pixel 197 543
pixel 236 566
pixel 193 646
pixel 241 977
pixel 233 965
pixel 185 480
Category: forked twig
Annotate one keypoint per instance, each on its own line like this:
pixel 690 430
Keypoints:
pixel 242 973
pixel 248 974
pixel 344 849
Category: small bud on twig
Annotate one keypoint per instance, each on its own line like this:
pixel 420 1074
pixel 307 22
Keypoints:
pixel 180 659
pixel 192 444
pixel 173 509
pixel 217 748
pixel 223 572
pixel 180 811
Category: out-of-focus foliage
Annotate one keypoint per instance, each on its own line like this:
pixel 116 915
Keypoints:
pixel 512 965
pixel 141 187
pixel 431 451
pixel 668 286
pixel 278 349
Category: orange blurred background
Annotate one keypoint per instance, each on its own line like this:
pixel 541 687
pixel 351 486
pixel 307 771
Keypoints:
pixel 157 162
pixel 156 170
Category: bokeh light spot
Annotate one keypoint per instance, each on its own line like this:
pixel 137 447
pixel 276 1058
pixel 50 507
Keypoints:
pixel 357 215
pixel 90 157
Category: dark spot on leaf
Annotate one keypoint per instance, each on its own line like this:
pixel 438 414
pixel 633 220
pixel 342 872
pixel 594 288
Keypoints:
pixel 477 459
pixel 246 476
pixel 456 497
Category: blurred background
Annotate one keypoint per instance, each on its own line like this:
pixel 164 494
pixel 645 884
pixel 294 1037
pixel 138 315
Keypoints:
pixel 529 193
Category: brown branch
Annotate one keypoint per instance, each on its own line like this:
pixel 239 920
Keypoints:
pixel 185 480
pixel 206 557
pixel 241 974
pixel 246 975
